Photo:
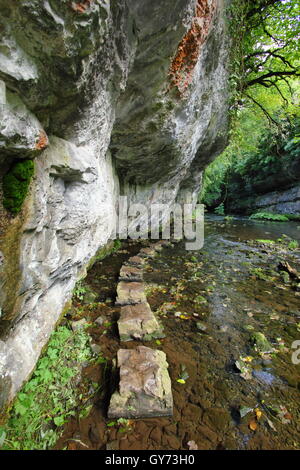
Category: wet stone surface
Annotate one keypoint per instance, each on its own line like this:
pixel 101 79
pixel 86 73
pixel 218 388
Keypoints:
pixel 138 322
pixel 130 293
pixel 145 386
pixel 131 273
pixel 138 261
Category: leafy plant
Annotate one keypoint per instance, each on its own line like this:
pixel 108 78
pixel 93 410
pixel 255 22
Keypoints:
pixel 79 291
pixel 259 273
pixel 51 395
pixel 260 158
pixel 265 35
pixel 124 425
pixel 269 216
pixel 220 210
pixel 293 245
pixel 15 185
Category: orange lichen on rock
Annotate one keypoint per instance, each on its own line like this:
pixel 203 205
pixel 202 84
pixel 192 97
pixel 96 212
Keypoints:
pixel 42 142
pixel 188 51
pixel 81 7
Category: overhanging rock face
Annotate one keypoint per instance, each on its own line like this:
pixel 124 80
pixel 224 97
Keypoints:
pixel 109 98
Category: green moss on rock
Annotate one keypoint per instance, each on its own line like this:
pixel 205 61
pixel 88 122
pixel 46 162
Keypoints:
pixel 15 185
pixel 260 342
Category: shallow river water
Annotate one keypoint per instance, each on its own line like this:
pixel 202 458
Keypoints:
pixel 232 392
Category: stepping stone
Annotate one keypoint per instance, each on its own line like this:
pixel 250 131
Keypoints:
pixel 130 293
pixel 158 247
pixel 145 385
pixel 164 243
pixel 131 273
pixel 139 322
pixel 147 253
pixel 79 324
pixel 137 261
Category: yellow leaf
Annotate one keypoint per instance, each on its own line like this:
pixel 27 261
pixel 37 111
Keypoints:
pixel 253 425
pixel 248 359
pixel 181 381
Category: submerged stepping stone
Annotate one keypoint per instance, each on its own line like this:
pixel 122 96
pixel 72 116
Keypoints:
pixel 147 253
pixel 158 247
pixel 137 261
pixel 139 322
pixel 131 273
pixel 145 385
pixel 130 293
pixel 164 243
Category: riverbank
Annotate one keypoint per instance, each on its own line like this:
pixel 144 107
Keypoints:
pixel 228 394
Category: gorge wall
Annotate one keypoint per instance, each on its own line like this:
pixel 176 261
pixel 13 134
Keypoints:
pixel 285 201
pixel 107 98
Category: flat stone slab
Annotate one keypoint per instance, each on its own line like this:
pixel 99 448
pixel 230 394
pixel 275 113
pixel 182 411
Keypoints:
pixel 137 261
pixel 139 322
pixel 147 253
pixel 158 247
pixel 130 293
pixel 145 385
pixel 163 243
pixel 131 273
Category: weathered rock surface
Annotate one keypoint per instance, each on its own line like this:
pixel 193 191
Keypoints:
pixel 279 202
pixel 145 386
pixel 21 134
pixel 137 261
pixel 131 273
pixel 130 293
pixel 147 253
pixel 139 322
pixel 125 112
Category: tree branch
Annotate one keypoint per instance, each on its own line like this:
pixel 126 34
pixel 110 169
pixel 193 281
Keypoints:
pixel 280 92
pixel 281 75
pixel 271 54
pixel 270 119
pixel 264 4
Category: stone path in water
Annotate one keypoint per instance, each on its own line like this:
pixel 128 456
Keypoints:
pixel 145 386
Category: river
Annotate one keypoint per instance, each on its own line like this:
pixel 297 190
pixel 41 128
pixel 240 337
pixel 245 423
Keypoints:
pixel 217 306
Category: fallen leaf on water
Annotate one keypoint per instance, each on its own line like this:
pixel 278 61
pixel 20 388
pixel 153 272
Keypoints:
pixel 284 415
pixel 258 413
pixel 246 375
pixel 253 425
pixel 72 446
pixel 192 445
pixel 244 411
pixel 180 381
pixel 271 424
pixel 248 359
pixel 274 317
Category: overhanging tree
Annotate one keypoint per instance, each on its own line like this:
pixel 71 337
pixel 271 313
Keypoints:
pixel 266 37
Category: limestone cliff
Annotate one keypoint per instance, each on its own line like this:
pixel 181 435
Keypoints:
pixel 285 201
pixel 109 98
